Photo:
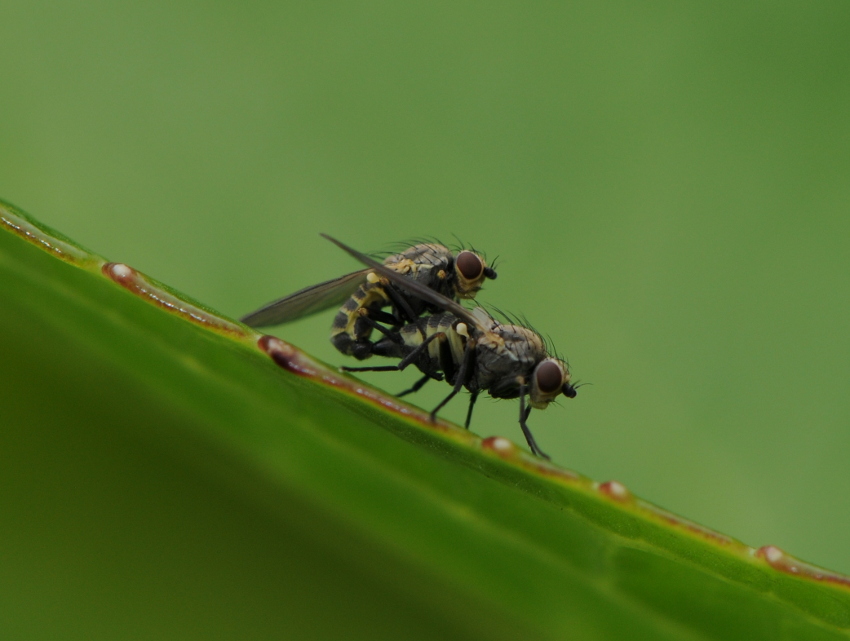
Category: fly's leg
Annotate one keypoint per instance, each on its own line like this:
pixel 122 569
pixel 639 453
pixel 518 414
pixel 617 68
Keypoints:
pixel 382 317
pixel 399 303
pixel 523 416
pixel 461 376
pixel 418 384
pixel 381 368
pixel 371 318
pixel 404 362
pixel 472 399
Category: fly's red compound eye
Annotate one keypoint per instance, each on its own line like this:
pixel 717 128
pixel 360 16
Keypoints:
pixel 469 265
pixel 550 377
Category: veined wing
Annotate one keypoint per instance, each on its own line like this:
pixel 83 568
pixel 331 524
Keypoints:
pixel 307 301
pixel 411 286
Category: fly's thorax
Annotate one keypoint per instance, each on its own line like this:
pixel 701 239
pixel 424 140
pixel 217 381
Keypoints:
pixel 427 263
pixel 520 343
pixel 432 254
pixel 504 355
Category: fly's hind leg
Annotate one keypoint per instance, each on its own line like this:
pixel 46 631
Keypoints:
pixel 404 362
pixel 401 305
pixel 356 343
pixel 380 316
pixel 459 380
pixel 373 317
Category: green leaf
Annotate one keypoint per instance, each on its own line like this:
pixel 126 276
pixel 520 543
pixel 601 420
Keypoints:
pixel 169 473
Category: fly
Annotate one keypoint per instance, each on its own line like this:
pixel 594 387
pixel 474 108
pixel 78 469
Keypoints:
pixel 470 349
pixel 363 295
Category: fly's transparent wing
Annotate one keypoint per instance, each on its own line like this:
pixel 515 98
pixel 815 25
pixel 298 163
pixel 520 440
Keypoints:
pixel 411 286
pixel 307 301
pixel 484 320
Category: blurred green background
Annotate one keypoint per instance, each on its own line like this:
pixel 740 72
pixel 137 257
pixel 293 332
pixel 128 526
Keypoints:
pixel 666 186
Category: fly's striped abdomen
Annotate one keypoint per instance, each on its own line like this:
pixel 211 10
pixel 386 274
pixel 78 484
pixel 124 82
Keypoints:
pixel 350 332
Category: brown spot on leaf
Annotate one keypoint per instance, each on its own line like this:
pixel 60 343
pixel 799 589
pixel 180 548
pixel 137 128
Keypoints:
pixel 616 491
pixel 140 285
pixel 779 560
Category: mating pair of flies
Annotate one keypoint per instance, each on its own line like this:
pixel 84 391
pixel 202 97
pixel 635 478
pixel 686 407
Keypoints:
pixel 426 326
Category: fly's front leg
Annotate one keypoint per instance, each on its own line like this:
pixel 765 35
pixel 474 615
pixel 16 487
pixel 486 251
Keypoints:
pixel 523 416
pixel 472 399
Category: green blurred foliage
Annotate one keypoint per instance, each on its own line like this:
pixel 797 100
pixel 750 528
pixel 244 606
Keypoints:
pixel 666 186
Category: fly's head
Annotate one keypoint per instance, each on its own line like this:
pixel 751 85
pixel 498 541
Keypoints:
pixel 550 378
pixel 470 272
